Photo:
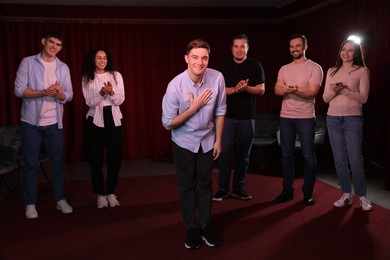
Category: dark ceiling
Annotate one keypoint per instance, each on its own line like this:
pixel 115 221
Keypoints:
pixel 233 10
pixel 165 3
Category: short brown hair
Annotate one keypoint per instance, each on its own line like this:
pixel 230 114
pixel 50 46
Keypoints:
pixel 196 44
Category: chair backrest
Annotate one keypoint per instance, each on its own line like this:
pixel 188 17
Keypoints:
pixel 10 137
pixel 320 132
pixel 9 147
pixel 7 154
pixel 266 125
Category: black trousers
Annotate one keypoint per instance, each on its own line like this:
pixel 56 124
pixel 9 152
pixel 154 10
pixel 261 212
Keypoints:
pixel 193 171
pixel 100 142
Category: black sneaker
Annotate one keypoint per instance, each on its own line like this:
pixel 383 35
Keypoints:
pixel 193 240
pixel 219 196
pixel 209 237
pixel 284 196
pixel 308 199
pixel 241 194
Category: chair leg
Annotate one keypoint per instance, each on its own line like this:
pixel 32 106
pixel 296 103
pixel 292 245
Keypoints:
pixel 45 174
pixel 3 178
pixel 21 182
pixel 41 165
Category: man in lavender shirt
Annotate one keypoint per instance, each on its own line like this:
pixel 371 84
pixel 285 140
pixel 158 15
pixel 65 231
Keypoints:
pixel 193 108
pixel 44 84
pixel 298 83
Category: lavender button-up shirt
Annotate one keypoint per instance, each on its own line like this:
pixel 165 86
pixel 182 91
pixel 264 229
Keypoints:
pixel 199 130
pixel 30 75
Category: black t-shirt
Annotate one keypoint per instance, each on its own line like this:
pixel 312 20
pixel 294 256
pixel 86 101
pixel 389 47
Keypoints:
pixel 241 105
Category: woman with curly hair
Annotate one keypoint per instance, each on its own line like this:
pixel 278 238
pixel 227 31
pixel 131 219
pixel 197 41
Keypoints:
pixel 103 90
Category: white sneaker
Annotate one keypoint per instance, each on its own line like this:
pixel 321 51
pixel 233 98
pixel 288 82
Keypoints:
pixel 64 207
pixel 31 212
pixel 365 204
pixel 102 202
pixel 345 200
pixel 112 200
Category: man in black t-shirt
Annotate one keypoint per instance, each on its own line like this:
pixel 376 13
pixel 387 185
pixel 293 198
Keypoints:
pixel 244 78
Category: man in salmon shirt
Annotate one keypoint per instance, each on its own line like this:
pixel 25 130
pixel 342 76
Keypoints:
pixel 298 83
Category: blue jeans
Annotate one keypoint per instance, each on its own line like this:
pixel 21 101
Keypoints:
pixel 193 172
pixel 31 141
pixel 237 141
pixel 305 128
pixel 345 137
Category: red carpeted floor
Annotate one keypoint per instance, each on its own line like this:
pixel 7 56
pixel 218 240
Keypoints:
pixel 148 225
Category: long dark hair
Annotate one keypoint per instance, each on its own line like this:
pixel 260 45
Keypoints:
pixel 88 73
pixel 358 58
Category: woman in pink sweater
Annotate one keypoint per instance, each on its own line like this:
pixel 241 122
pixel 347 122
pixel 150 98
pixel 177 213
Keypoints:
pixel 346 90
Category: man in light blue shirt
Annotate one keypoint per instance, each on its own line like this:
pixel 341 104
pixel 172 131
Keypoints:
pixel 194 107
pixel 44 83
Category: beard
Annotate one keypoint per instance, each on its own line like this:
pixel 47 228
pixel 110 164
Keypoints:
pixel 297 56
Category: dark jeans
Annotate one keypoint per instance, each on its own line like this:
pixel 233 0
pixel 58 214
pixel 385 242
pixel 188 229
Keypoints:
pixel 237 141
pixel 31 142
pixel 99 139
pixel 193 172
pixel 305 128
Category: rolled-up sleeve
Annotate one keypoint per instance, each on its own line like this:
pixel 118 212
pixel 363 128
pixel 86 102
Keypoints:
pixel 221 102
pixel 65 83
pixel 170 106
pixel 21 80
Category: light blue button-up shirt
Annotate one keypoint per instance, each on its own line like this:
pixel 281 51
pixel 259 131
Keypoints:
pixel 199 130
pixel 30 75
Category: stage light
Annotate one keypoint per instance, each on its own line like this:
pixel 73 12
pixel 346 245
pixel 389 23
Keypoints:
pixel 355 38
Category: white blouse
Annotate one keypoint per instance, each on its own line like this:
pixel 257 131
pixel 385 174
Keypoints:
pixel 96 102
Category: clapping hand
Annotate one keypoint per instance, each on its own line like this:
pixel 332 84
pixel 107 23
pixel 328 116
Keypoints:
pixel 291 88
pixel 107 89
pixel 337 87
pixel 241 86
pixel 52 90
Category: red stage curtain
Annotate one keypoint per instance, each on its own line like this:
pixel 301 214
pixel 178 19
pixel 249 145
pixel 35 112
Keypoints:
pixel 149 53
pixel 148 56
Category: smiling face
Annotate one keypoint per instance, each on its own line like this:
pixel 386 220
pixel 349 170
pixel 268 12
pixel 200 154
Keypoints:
pixel 240 49
pixel 197 60
pixel 100 62
pixel 347 52
pixel 51 47
pixel 297 48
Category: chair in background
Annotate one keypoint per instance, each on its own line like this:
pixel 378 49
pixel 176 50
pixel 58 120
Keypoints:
pixel 9 146
pixel 8 163
pixel 266 126
pixel 10 140
pixel 43 160
pixel 319 136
